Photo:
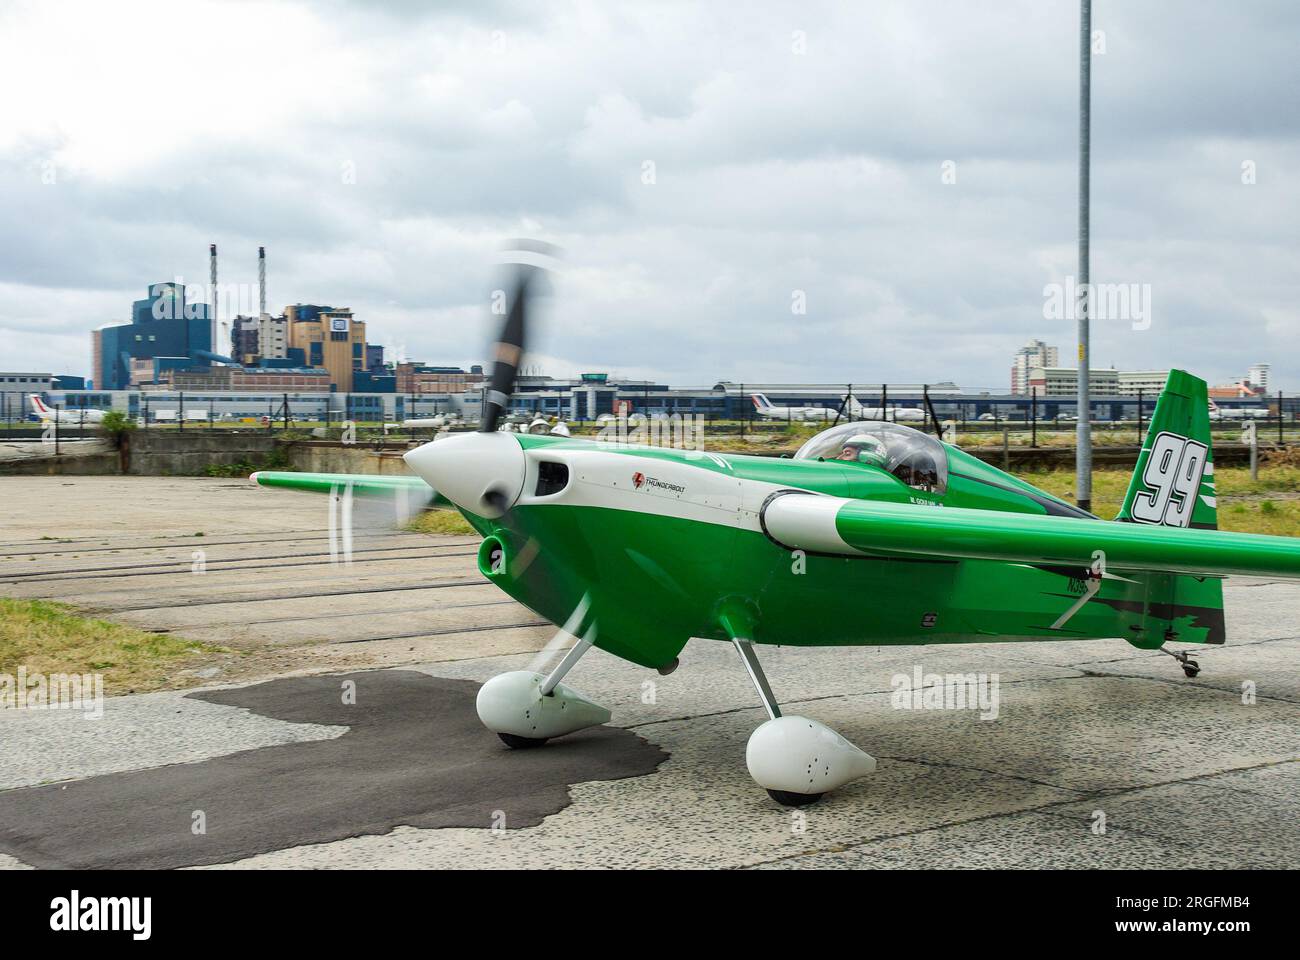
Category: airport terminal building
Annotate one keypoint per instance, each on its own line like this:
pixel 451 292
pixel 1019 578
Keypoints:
pixel 256 394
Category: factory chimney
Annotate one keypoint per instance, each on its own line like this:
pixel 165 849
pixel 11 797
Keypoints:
pixel 261 281
pixel 212 295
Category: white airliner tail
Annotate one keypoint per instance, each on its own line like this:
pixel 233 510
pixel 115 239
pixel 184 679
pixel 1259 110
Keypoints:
pixel 80 416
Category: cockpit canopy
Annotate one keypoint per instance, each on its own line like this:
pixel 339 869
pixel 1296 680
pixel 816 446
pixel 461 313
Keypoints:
pixel 918 460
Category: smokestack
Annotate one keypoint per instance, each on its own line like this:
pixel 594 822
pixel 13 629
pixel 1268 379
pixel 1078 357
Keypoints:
pixel 261 281
pixel 212 296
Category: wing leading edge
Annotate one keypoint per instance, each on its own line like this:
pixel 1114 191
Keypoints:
pixel 365 485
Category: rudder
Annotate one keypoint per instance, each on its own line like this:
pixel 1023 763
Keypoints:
pixel 1173 486
pixel 1173 483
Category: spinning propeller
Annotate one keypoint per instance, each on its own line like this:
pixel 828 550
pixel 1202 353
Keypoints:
pixel 508 350
pixel 507 356
pixel 483 472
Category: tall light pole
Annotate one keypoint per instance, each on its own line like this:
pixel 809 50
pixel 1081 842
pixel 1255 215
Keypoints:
pixel 1083 457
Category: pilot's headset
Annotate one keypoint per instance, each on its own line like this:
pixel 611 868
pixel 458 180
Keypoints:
pixel 871 450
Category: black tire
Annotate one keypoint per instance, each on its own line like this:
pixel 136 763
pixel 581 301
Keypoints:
pixel 788 799
pixel 1191 669
pixel 521 743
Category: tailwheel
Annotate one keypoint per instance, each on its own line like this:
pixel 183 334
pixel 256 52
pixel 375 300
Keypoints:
pixel 788 799
pixel 521 743
pixel 1190 667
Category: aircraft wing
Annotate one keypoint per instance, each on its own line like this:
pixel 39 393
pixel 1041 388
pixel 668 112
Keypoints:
pixel 833 525
pixel 363 485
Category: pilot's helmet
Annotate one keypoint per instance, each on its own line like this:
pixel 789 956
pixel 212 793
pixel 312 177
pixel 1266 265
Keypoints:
pixel 871 450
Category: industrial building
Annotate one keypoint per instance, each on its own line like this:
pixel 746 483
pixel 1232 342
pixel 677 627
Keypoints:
pixel 169 345
pixel 314 362
pixel 421 378
pixel 328 338
pixel 165 328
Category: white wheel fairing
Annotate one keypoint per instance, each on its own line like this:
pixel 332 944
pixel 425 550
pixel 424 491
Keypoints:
pixel 798 755
pixel 512 703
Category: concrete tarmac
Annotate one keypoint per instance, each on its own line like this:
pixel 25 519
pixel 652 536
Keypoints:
pixel 1100 755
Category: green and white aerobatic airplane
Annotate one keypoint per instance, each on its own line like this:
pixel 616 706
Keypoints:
pixel 636 549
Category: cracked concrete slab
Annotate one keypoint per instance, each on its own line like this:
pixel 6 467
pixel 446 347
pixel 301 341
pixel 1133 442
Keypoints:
pixel 1161 827
pixel 135 733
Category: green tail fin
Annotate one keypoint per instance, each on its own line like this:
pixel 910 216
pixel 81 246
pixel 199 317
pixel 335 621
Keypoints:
pixel 1173 486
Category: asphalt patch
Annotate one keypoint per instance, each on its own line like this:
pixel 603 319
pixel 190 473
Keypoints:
pixel 414 754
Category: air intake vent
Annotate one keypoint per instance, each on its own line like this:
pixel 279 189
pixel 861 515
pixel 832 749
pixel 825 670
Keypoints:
pixel 551 477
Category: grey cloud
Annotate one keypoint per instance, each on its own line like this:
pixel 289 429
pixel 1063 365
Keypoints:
pixel 774 172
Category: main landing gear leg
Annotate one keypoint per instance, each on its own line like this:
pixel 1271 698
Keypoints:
pixel 795 759
pixel 1190 667
pixel 525 709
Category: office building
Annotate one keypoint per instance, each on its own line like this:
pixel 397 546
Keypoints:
pixel 1064 382
pixel 1258 375
pixel 1033 355
pixel 1145 383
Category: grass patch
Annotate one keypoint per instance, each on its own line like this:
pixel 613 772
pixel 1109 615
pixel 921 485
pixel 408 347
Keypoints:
pixel 1279 518
pixel 441 521
pixel 1108 487
pixel 48 637
pixel 1244 504
pixel 1235 481
pixel 277 459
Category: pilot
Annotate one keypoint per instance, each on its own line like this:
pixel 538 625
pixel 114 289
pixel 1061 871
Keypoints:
pixel 864 448
pixel 918 470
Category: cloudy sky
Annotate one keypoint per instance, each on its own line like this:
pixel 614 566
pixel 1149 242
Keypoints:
pixel 909 167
